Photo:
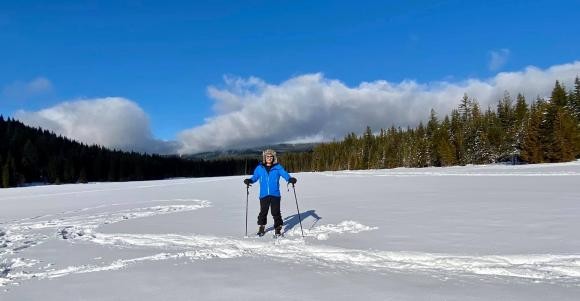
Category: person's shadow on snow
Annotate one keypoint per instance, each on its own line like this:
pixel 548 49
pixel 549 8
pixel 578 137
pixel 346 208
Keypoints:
pixel 293 220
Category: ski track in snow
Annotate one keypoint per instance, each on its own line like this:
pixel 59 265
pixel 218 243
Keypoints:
pixel 80 226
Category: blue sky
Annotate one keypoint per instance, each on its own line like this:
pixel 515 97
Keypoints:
pixel 164 56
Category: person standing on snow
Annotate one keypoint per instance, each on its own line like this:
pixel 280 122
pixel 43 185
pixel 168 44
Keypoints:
pixel 269 172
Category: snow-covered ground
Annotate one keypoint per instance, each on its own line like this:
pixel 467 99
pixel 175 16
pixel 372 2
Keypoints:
pixel 460 233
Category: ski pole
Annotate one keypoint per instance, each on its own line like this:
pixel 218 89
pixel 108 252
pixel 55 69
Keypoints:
pixel 247 195
pixel 297 209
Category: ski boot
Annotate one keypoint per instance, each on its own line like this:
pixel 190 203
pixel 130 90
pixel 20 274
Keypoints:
pixel 278 231
pixel 261 230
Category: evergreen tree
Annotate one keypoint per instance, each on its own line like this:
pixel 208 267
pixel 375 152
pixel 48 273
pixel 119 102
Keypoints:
pixel 69 171
pixel 30 161
pixel 505 111
pixel 554 130
pixel 9 177
pixel 112 176
pixel 433 139
pixel 83 176
pixel 521 117
pixel 562 147
pixel 521 109
pixel 421 144
pixel 445 147
pixel 507 131
pixel 532 150
pixel 458 136
pixel 54 170
pixel 575 99
pixel 367 148
pixel 464 107
pixel 559 97
pixel 5 176
pixel 575 109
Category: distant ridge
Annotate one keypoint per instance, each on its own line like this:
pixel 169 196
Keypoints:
pixel 253 152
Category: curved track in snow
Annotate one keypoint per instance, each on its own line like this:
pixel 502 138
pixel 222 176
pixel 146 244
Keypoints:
pixel 81 226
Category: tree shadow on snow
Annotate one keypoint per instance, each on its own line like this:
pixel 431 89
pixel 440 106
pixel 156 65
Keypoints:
pixel 293 220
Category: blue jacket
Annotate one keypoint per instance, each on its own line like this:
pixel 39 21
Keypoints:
pixel 269 181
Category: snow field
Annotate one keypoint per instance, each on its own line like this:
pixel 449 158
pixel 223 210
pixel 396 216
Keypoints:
pixel 129 222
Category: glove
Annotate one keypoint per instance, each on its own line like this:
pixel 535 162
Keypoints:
pixel 247 181
pixel 292 181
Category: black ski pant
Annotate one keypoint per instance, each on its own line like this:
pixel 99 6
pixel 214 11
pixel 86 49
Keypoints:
pixel 272 202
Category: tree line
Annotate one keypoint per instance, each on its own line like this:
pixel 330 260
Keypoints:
pixel 33 155
pixel 546 130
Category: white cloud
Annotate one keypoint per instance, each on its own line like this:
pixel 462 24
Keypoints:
pixel 310 107
pixel 112 122
pixel 498 58
pixel 229 100
pixel 24 90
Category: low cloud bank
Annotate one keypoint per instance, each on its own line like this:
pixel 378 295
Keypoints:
pixel 112 122
pixel 313 108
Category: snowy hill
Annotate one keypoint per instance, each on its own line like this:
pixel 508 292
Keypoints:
pixel 460 233
pixel 254 152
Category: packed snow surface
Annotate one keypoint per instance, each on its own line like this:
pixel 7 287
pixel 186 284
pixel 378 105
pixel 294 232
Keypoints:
pixel 459 233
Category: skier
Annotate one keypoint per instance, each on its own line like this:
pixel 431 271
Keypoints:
pixel 269 172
